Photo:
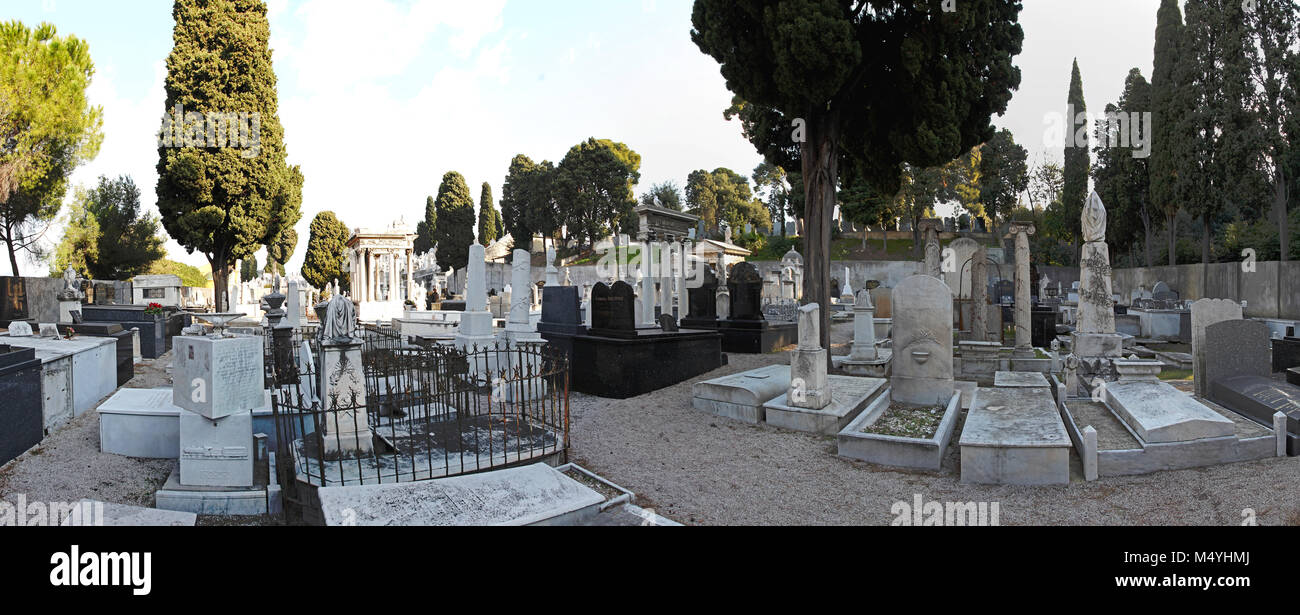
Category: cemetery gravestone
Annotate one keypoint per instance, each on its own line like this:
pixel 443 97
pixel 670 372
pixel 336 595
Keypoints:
pixel 612 309
pixel 922 370
pixel 1206 312
pixel 1238 369
pixel 746 288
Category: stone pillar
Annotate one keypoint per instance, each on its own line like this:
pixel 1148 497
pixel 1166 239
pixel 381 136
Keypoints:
pixel 809 386
pixel 410 277
pixel 864 328
pixel 343 398
pixel 1021 231
pixel 682 299
pixel 520 302
pixel 647 299
pixel 665 278
pixel 1094 333
pixel 933 252
pixel 979 284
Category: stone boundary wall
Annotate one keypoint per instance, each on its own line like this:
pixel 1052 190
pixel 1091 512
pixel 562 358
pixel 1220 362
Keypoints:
pixel 1271 290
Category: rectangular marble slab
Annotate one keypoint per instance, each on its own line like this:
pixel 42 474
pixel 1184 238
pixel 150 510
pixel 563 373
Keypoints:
pixel 1014 418
pixel 1019 379
pixel 1158 412
pixel 528 495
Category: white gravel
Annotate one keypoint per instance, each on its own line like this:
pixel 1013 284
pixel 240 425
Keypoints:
pixel 697 468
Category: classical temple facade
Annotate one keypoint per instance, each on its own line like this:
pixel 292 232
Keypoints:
pixel 381 264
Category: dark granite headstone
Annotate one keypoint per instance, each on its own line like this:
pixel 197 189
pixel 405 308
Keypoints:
pixel 746 288
pixel 1042 327
pixel 1286 353
pixel 612 307
pixel 1293 376
pixel 20 411
pixel 456 305
pixel 703 301
pixel 1236 348
pixel 13 299
pixel 668 323
pixel 560 305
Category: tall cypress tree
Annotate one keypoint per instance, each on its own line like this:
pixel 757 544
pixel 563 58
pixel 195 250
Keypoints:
pixel 424 229
pixel 1225 141
pixel 1076 164
pixel 222 196
pixel 487 217
pixel 1276 67
pixel 1167 109
pixel 326 252
pixel 455 230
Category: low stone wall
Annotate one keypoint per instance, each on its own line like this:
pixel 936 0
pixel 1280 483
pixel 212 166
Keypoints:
pixel 1271 289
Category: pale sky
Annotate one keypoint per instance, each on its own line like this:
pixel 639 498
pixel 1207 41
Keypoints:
pixel 380 98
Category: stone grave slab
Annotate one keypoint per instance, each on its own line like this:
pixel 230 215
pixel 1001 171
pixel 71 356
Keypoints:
pixel 741 396
pixel 536 494
pixel 1020 380
pixel 1015 436
pixel 849 396
pixel 1259 398
pixel 145 423
pixel 108 514
pixel 1158 412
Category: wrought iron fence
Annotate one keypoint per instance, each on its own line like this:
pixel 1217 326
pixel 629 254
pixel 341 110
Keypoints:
pixel 421 410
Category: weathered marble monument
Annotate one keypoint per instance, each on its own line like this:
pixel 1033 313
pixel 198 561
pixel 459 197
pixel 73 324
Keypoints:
pixel 1094 335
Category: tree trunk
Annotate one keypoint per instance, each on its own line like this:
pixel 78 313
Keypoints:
pixel 1280 195
pixel 884 237
pixel 820 167
pixel 1205 238
pixel 13 256
pixel 220 283
pixel 1169 226
pixel 1146 237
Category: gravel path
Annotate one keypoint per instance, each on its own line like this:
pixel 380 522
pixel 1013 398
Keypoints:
pixel 697 468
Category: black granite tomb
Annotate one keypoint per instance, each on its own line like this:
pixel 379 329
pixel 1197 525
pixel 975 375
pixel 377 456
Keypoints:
pixel 457 305
pixel 156 330
pixel 1238 370
pixel 20 413
pixel 617 360
pixel 746 331
pixel 1286 353
pixel 1293 376
pixel 702 303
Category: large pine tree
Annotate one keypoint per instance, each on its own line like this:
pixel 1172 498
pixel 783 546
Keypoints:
pixel 1275 26
pixel 872 84
pixel 455 229
pixel 224 200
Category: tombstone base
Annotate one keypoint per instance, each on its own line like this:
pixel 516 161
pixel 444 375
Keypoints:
pixel 879 367
pixel 756 336
pixel 849 396
pixel 1088 345
pixel 216 452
